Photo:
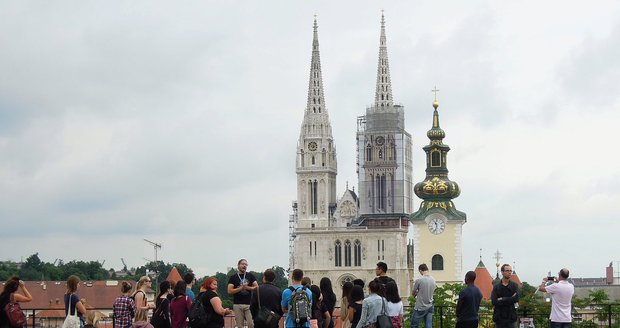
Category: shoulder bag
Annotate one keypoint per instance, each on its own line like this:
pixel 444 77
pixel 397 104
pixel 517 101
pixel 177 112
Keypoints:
pixel 161 315
pixel 14 313
pixel 383 320
pixel 71 321
pixel 265 317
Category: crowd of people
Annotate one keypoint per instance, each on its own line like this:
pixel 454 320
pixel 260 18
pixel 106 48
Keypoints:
pixel 303 304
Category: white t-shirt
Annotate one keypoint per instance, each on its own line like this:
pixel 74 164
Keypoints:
pixel 561 295
pixel 394 309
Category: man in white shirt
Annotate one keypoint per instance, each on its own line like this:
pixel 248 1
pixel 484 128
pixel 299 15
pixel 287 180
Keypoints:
pixel 561 294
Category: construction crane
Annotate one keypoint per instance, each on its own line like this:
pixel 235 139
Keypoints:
pixel 156 246
pixel 124 264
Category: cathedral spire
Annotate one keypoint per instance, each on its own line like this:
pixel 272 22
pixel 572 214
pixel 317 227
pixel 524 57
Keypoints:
pixel 316 99
pixel 383 93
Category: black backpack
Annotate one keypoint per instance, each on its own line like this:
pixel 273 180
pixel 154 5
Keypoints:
pixel 300 306
pixel 198 317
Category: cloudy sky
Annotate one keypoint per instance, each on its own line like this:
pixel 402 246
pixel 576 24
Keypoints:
pixel 177 122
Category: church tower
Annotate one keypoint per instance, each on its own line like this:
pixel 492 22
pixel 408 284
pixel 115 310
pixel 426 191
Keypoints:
pixel 316 170
pixel 384 160
pixel 316 153
pixel 437 225
pixel 335 238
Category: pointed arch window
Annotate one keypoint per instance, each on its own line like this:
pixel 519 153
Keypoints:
pixel 324 157
pixel 312 160
pixel 347 253
pixel 368 153
pixel 338 253
pixel 312 186
pixel 437 262
pixel 357 253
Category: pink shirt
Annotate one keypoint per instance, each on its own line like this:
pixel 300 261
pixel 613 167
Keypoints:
pixel 561 295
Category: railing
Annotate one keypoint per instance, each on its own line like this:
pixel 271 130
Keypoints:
pixel 106 321
pixel 589 316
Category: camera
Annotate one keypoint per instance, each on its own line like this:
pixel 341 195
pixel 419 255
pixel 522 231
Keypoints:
pixel 550 279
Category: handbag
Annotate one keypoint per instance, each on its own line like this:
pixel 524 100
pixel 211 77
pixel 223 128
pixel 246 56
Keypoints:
pixel 14 313
pixel 72 320
pixel 383 320
pixel 265 316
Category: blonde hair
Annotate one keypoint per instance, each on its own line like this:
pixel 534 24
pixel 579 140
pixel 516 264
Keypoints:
pixel 141 283
pixel 141 315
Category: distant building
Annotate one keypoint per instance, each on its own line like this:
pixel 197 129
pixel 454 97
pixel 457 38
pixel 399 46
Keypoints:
pixel 610 284
pixel 48 299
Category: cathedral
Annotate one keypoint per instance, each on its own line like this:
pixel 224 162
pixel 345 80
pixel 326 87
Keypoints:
pixel 344 237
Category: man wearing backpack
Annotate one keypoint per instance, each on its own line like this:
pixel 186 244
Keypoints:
pixel 295 306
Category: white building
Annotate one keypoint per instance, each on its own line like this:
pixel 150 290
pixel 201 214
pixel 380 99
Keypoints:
pixel 337 239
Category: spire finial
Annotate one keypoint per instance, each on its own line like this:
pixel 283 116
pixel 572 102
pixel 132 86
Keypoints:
pixel 383 91
pixel 480 253
pixel 316 26
pixel 435 102
pixel 382 19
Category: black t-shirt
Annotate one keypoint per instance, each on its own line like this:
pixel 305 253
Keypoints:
pixel 470 297
pixel 74 300
pixel 330 304
pixel 215 319
pixel 244 296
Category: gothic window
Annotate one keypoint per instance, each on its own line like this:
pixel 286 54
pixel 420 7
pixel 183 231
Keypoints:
pixel 313 197
pixel 369 153
pixel 324 156
pixel 383 249
pixel 381 192
pixel 380 153
pixel 435 159
pixel 357 253
pixel 338 253
pixel 302 158
pixel 347 253
pixel 437 262
pixel 312 160
pixel 315 248
pixel 310 248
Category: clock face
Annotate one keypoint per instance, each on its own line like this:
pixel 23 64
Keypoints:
pixel 436 226
pixel 380 140
pixel 312 146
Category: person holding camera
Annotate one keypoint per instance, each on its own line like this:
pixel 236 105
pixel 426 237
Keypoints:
pixel 561 294
pixel 505 298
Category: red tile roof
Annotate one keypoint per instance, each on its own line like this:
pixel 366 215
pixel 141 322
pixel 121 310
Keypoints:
pixel 516 279
pixel 484 281
pixel 174 275
pixel 49 294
